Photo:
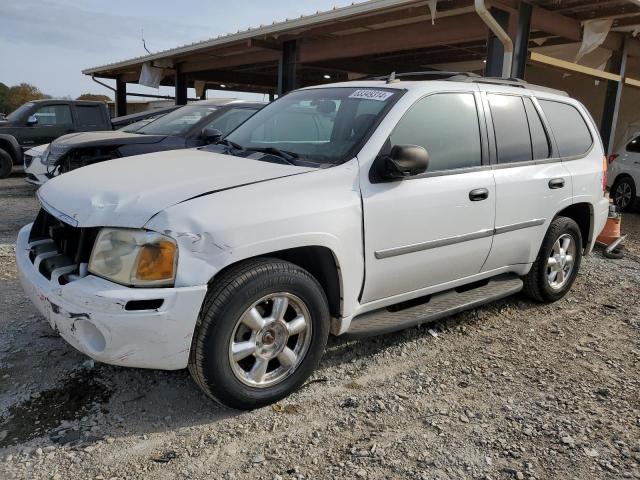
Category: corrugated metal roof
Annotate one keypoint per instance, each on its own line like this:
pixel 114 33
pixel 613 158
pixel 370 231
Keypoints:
pixel 304 21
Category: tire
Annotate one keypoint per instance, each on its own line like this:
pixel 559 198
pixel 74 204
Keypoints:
pixel 245 296
pixel 616 254
pixel 6 164
pixel 624 194
pixel 540 283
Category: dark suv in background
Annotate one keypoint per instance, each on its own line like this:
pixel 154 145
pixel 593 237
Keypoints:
pixel 41 121
pixel 193 125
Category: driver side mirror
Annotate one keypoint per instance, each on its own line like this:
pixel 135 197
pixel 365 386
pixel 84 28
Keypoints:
pixel 404 161
pixel 211 135
pixel 32 120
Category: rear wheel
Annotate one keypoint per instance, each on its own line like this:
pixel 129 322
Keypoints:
pixel 261 333
pixel 558 262
pixel 624 193
pixel 6 164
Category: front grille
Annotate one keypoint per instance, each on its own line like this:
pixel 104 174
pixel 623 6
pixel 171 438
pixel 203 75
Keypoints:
pixel 60 245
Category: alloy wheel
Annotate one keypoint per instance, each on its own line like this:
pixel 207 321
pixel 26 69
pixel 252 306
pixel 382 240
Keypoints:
pixel 270 340
pixel 622 194
pixel 561 261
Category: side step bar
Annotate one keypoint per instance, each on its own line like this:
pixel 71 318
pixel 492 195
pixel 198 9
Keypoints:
pixel 436 306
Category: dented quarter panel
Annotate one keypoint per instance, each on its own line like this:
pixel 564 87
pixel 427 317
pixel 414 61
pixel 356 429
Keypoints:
pixel 320 208
pixel 150 184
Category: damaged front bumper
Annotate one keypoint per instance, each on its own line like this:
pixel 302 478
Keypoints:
pixel 133 327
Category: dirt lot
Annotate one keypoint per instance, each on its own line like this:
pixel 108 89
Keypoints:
pixel 511 390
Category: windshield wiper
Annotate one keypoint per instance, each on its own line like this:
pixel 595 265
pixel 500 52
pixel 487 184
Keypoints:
pixel 283 154
pixel 229 143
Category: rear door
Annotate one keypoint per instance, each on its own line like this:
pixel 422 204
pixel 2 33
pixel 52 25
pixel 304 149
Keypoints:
pixel 532 184
pixel 433 228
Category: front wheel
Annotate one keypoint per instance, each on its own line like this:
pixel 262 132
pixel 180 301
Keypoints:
pixel 6 164
pixel 262 330
pixel 558 262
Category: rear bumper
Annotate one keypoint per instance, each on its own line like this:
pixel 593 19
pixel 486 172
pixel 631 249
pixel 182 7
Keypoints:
pixel 90 314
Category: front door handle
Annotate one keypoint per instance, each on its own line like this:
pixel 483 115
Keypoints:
pixel 555 183
pixel 478 194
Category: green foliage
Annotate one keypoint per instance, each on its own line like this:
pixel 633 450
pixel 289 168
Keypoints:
pixel 19 94
pixel 94 97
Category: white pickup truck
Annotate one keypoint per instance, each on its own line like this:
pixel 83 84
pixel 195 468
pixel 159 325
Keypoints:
pixel 355 209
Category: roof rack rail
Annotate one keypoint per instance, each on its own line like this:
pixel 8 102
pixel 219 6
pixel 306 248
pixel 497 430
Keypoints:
pixel 466 77
pixel 393 76
pixel 513 82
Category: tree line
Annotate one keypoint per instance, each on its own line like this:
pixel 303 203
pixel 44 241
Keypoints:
pixel 12 97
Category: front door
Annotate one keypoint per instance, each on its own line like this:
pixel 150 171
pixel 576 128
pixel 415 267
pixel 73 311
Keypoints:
pixel 53 121
pixel 436 227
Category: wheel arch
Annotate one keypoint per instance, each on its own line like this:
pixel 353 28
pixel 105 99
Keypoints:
pixel 582 214
pixel 319 261
pixel 9 144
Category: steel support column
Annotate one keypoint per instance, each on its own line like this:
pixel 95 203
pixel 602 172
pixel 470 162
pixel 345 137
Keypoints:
pixel 612 99
pixel 495 50
pixel 521 47
pixel 121 97
pixel 181 87
pixel 287 67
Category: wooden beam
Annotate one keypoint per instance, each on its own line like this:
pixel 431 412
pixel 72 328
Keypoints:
pixel 264 44
pixel 555 24
pixel 449 30
pixel 261 56
pixel 227 76
pixel 573 67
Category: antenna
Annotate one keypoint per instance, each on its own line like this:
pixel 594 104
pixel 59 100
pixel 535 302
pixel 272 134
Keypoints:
pixel 143 42
pixel 392 77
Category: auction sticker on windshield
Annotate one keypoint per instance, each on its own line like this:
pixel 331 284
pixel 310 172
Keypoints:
pixel 369 94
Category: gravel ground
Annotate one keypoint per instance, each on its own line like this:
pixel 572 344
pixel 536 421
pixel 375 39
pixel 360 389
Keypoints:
pixel 510 390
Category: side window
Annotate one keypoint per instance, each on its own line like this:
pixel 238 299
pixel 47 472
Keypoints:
pixel 511 128
pixel 539 139
pixel 54 115
pixel 446 124
pixel 569 128
pixel 230 119
pixel 634 145
pixel 89 116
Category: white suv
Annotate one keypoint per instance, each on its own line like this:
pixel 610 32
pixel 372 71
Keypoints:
pixel 624 175
pixel 353 209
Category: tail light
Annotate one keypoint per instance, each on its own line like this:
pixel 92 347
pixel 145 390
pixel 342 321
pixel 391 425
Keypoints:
pixel 611 158
pixel 605 165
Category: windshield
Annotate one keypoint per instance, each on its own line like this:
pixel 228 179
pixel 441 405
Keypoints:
pixel 19 113
pixel 135 126
pixel 321 125
pixel 179 121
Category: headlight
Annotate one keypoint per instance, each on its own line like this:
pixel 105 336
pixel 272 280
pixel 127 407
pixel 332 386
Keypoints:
pixel 55 151
pixel 44 156
pixel 134 257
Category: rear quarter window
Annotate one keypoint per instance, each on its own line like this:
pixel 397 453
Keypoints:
pixel 569 128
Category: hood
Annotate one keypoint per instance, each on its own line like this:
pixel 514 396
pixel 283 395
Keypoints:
pixel 127 192
pixel 107 138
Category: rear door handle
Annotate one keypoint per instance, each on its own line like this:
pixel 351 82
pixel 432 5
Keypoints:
pixel 555 183
pixel 478 194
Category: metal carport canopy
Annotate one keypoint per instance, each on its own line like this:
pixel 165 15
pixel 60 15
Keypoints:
pixel 373 37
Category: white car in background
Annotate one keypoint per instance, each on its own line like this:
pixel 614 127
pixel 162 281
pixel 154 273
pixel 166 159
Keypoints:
pixel 624 175
pixel 34 168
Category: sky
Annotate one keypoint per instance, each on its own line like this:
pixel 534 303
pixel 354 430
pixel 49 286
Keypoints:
pixel 49 42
